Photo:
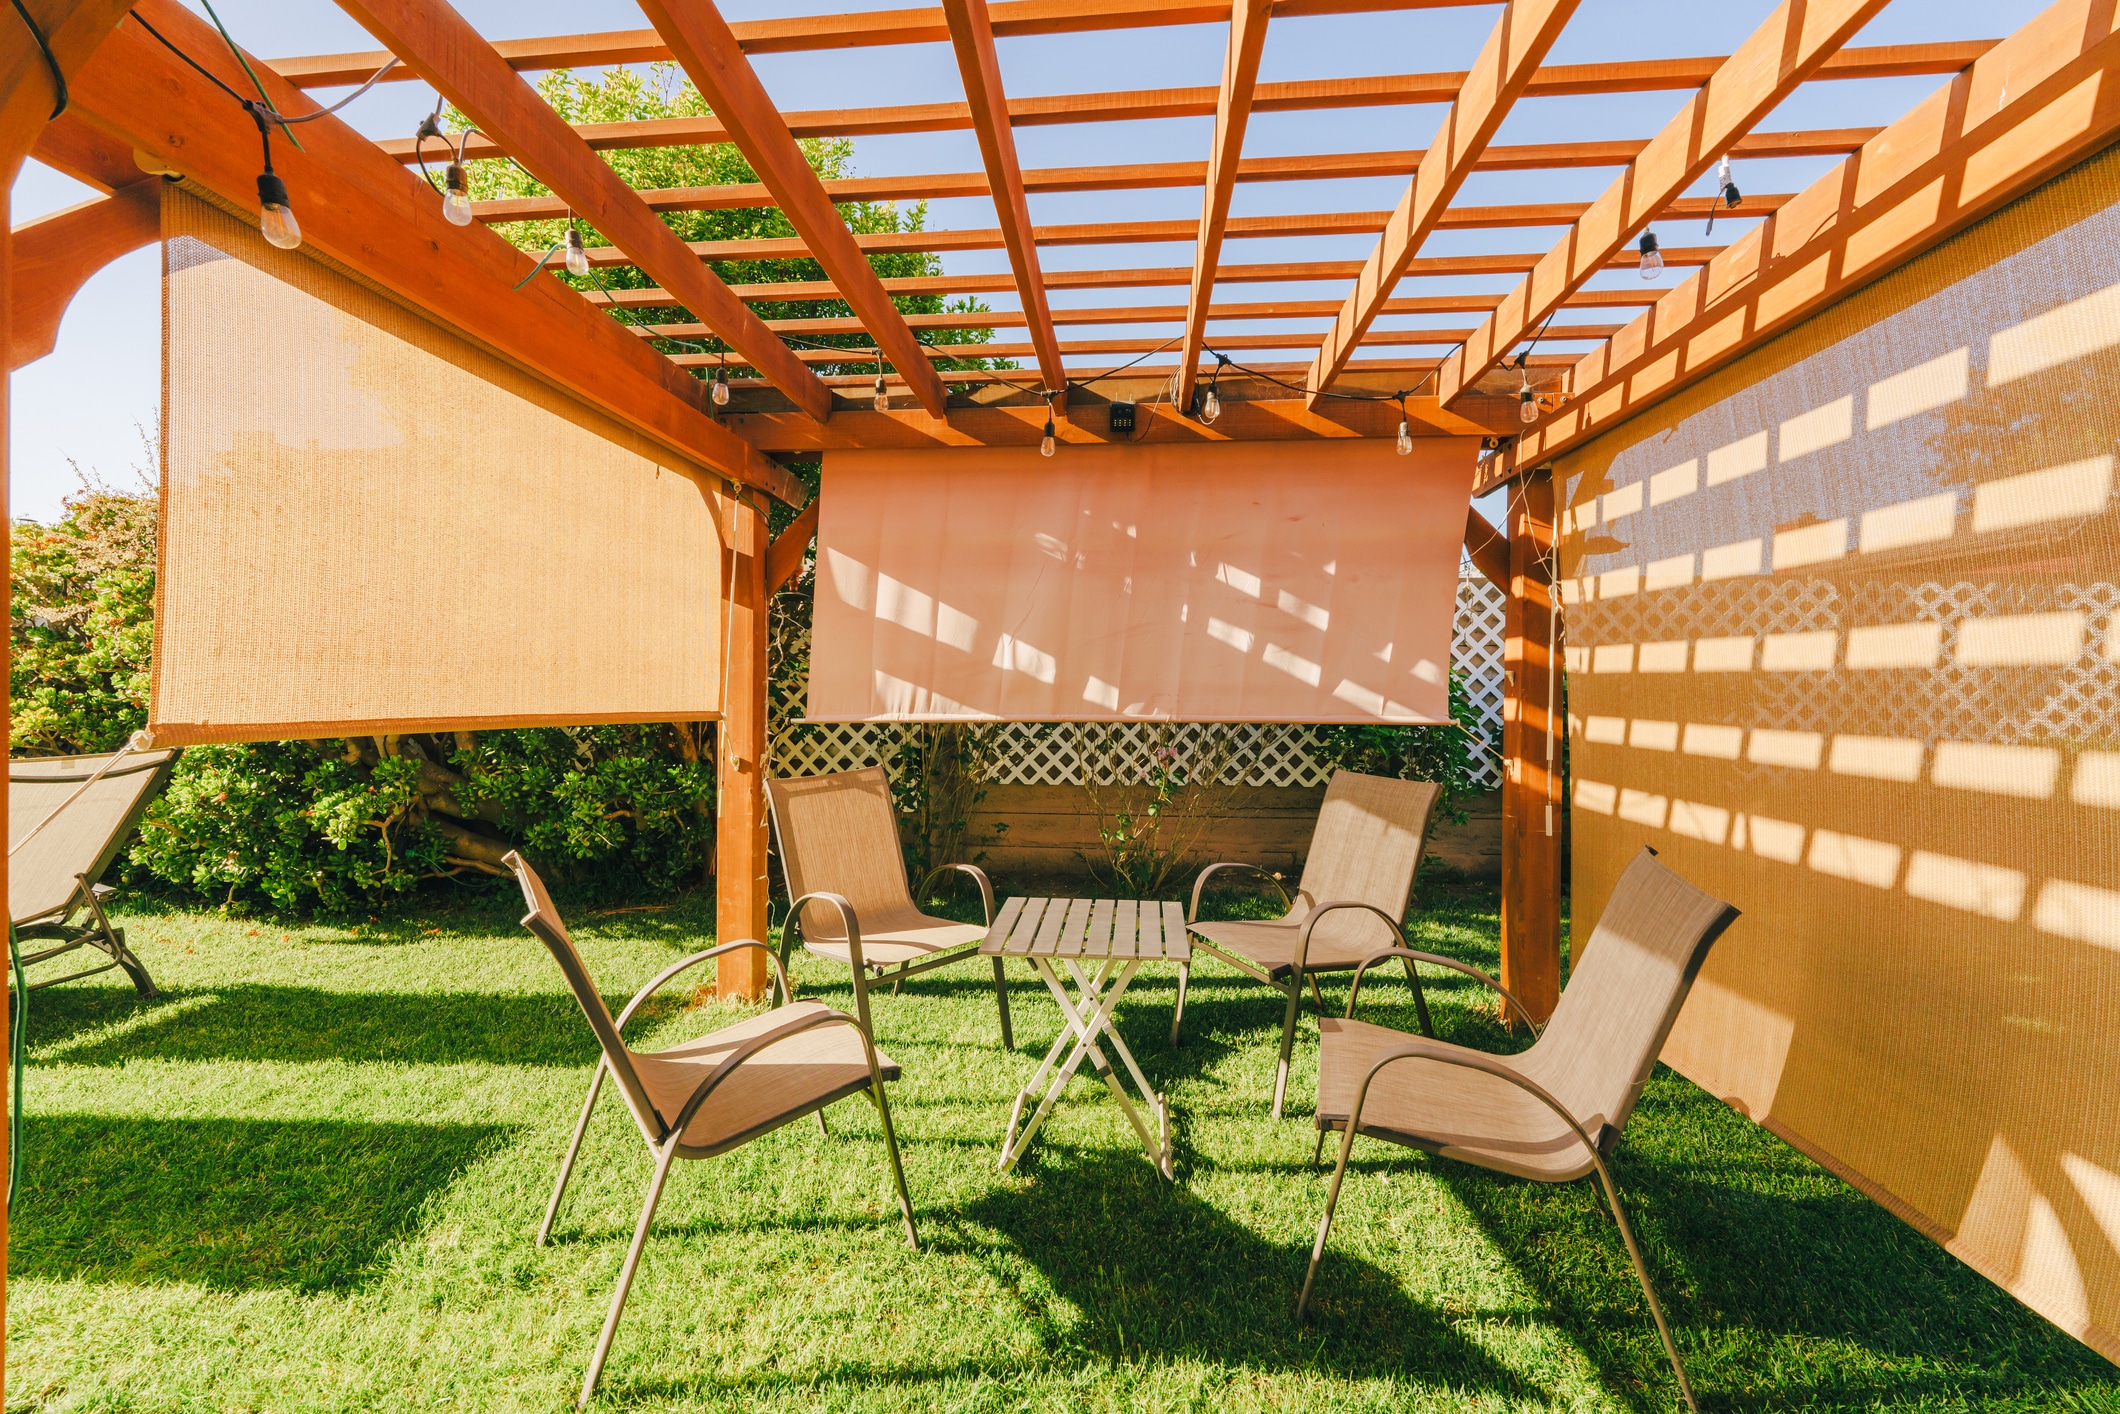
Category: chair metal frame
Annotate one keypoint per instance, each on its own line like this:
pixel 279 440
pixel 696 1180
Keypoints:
pixel 94 931
pixel 665 1140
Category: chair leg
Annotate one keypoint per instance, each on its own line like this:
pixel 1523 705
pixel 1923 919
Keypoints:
pixel 1318 1154
pixel 1008 1036
pixel 1332 1200
pixel 890 1143
pixel 1316 995
pixel 1641 1272
pixel 822 1131
pixel 1288 1043
pixel 574 1147
pixel 1178 1015
pixel 134 968
pixel 787 956
pixel 1420 1001
pixel 625 1274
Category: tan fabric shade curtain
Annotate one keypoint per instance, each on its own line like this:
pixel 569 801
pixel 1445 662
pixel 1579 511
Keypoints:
pixel 369 524
pixel 1276 582
pixel 1843 639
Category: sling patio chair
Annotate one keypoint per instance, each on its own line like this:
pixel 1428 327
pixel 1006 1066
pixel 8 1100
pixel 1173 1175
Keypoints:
pixel 1357 882
pixel 1553 1113
pixel 839 834
pixel 60 840
pixel 717 1093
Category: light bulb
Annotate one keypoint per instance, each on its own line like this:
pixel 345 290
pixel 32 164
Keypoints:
pixel 1405 439
pixel 456 196
pixel 1210 406
pixel 1527 407
pixel 577 256
pixel 721 389
pixel 1047 447
pixel 276 213
pixel 883 397
pixel 1652 258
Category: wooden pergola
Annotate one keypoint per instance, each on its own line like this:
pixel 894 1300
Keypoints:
pixel 135 110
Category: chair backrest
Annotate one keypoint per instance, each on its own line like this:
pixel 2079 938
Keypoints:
pixel 839 834
pixel 544 921
pixel 1367 844
pixel 1598 1050
pixel 81 837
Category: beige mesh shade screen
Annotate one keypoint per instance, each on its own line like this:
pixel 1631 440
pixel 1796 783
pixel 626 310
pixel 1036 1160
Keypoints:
pixel 1257 581
pixel 369 524
pixel 1843 639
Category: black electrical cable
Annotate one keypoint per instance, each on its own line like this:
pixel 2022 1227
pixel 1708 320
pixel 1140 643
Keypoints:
pixel 58 75
pixel 1328 393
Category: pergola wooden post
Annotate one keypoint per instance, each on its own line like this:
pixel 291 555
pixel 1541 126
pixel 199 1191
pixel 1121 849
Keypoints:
pixel 740 841
pixel 1532 747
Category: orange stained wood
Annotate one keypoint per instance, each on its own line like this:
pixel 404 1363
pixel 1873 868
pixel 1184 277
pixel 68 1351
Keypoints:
pixel 383 223
pixel 53 256
pixel 441 45
pixel 1504 68
pixel 1240 78
pixel 1295 96
pixel 1790 46
pixel 741 890
pixel 1532 748
pixel 1824 142
pixel 814 33
pixel 1505 263
pixel 70 144
pixel 2041 101
pixel 1487 548
pixel 1378 338
pixel 972 34
pixel 785 557
pixel 703 44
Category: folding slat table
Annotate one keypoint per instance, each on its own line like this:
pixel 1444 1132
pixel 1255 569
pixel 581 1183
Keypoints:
pixel 1115 936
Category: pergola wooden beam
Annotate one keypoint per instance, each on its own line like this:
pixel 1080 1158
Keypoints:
pixel 1240 77
pixel 817 33
pixel 439 44
pixel 384 224
pixel 2041 101
pixel 1504 263
pixel 1303 95
pixel 71 145
pixel 1790 46
pixel 1379 338
pixel 1827 142
pixel 702 43
pixel 51 258
pixel 1503 70
pixel 972 35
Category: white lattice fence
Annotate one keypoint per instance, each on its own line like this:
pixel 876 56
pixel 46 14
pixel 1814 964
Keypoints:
pixel 1253 753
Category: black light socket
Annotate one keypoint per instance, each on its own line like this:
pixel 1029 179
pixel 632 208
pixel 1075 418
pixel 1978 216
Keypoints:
pixel 272 191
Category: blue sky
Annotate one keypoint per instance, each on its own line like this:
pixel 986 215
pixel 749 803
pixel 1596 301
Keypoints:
pixel 83 402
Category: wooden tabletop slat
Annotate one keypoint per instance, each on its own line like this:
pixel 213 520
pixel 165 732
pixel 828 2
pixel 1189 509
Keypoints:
pixel 1129 929
pixel 1099 941
pixel 1126 923
pixel 1071 932
pixel 1151 938
pixel 1177 942
pixel 1019 938
pixel 1048 937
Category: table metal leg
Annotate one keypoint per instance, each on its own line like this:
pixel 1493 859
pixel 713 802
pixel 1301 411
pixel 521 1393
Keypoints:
pixel 1089 1023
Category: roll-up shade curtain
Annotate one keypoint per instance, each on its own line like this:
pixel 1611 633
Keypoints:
pixel 370 524
pixel 1273 582
pixel 1843 640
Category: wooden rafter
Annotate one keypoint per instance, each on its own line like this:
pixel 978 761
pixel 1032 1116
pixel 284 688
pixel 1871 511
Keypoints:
pixel 703 45
pixel 438 43
pixel 383 223
pixel 76 147
pixel 1306 95
pixel 1790 46
pixel 1240 77
pixel 1502 263
pixel 1504 68
pixel 1829 142
pixel 2043 100
pixel 51 258
pixel 817 33
pixel 972 35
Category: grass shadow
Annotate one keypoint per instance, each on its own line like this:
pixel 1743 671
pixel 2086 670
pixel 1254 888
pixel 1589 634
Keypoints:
pixel 232 1204
pixel 1151 1271
pixel 271 1023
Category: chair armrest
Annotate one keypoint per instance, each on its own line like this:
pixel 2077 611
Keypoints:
pixel 793 1026
pixel 694 960
pixel 986 887
pixel 851 921
pixel 1192 910
pixel 1355 988
pixel 1415 1048
pixel 1311 920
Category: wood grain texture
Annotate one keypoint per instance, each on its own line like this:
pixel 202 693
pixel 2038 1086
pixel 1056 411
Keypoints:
pixel 741 840
pixel 1240 77
pixel 1533 743
pixel 52 257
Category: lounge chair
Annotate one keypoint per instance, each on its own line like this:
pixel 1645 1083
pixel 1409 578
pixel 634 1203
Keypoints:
pixel 1555 1112
pixel 705 1097
pixel 52 894
pixel 838 834
pixel 1357 882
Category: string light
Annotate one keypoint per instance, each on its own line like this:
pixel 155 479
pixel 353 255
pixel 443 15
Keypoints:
pixel 1526 400
pixel 456 195
pixel 721 383
pixel 1405 431
pixel 1652 258
pixel 1211 402
pixel 276 220
pixel 577 255
pixel 1725 189
pixel 1049 443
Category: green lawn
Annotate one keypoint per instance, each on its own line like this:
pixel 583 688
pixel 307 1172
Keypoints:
pixel 309 1178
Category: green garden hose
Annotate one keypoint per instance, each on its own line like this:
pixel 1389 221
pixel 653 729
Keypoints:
pixel 16 1029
